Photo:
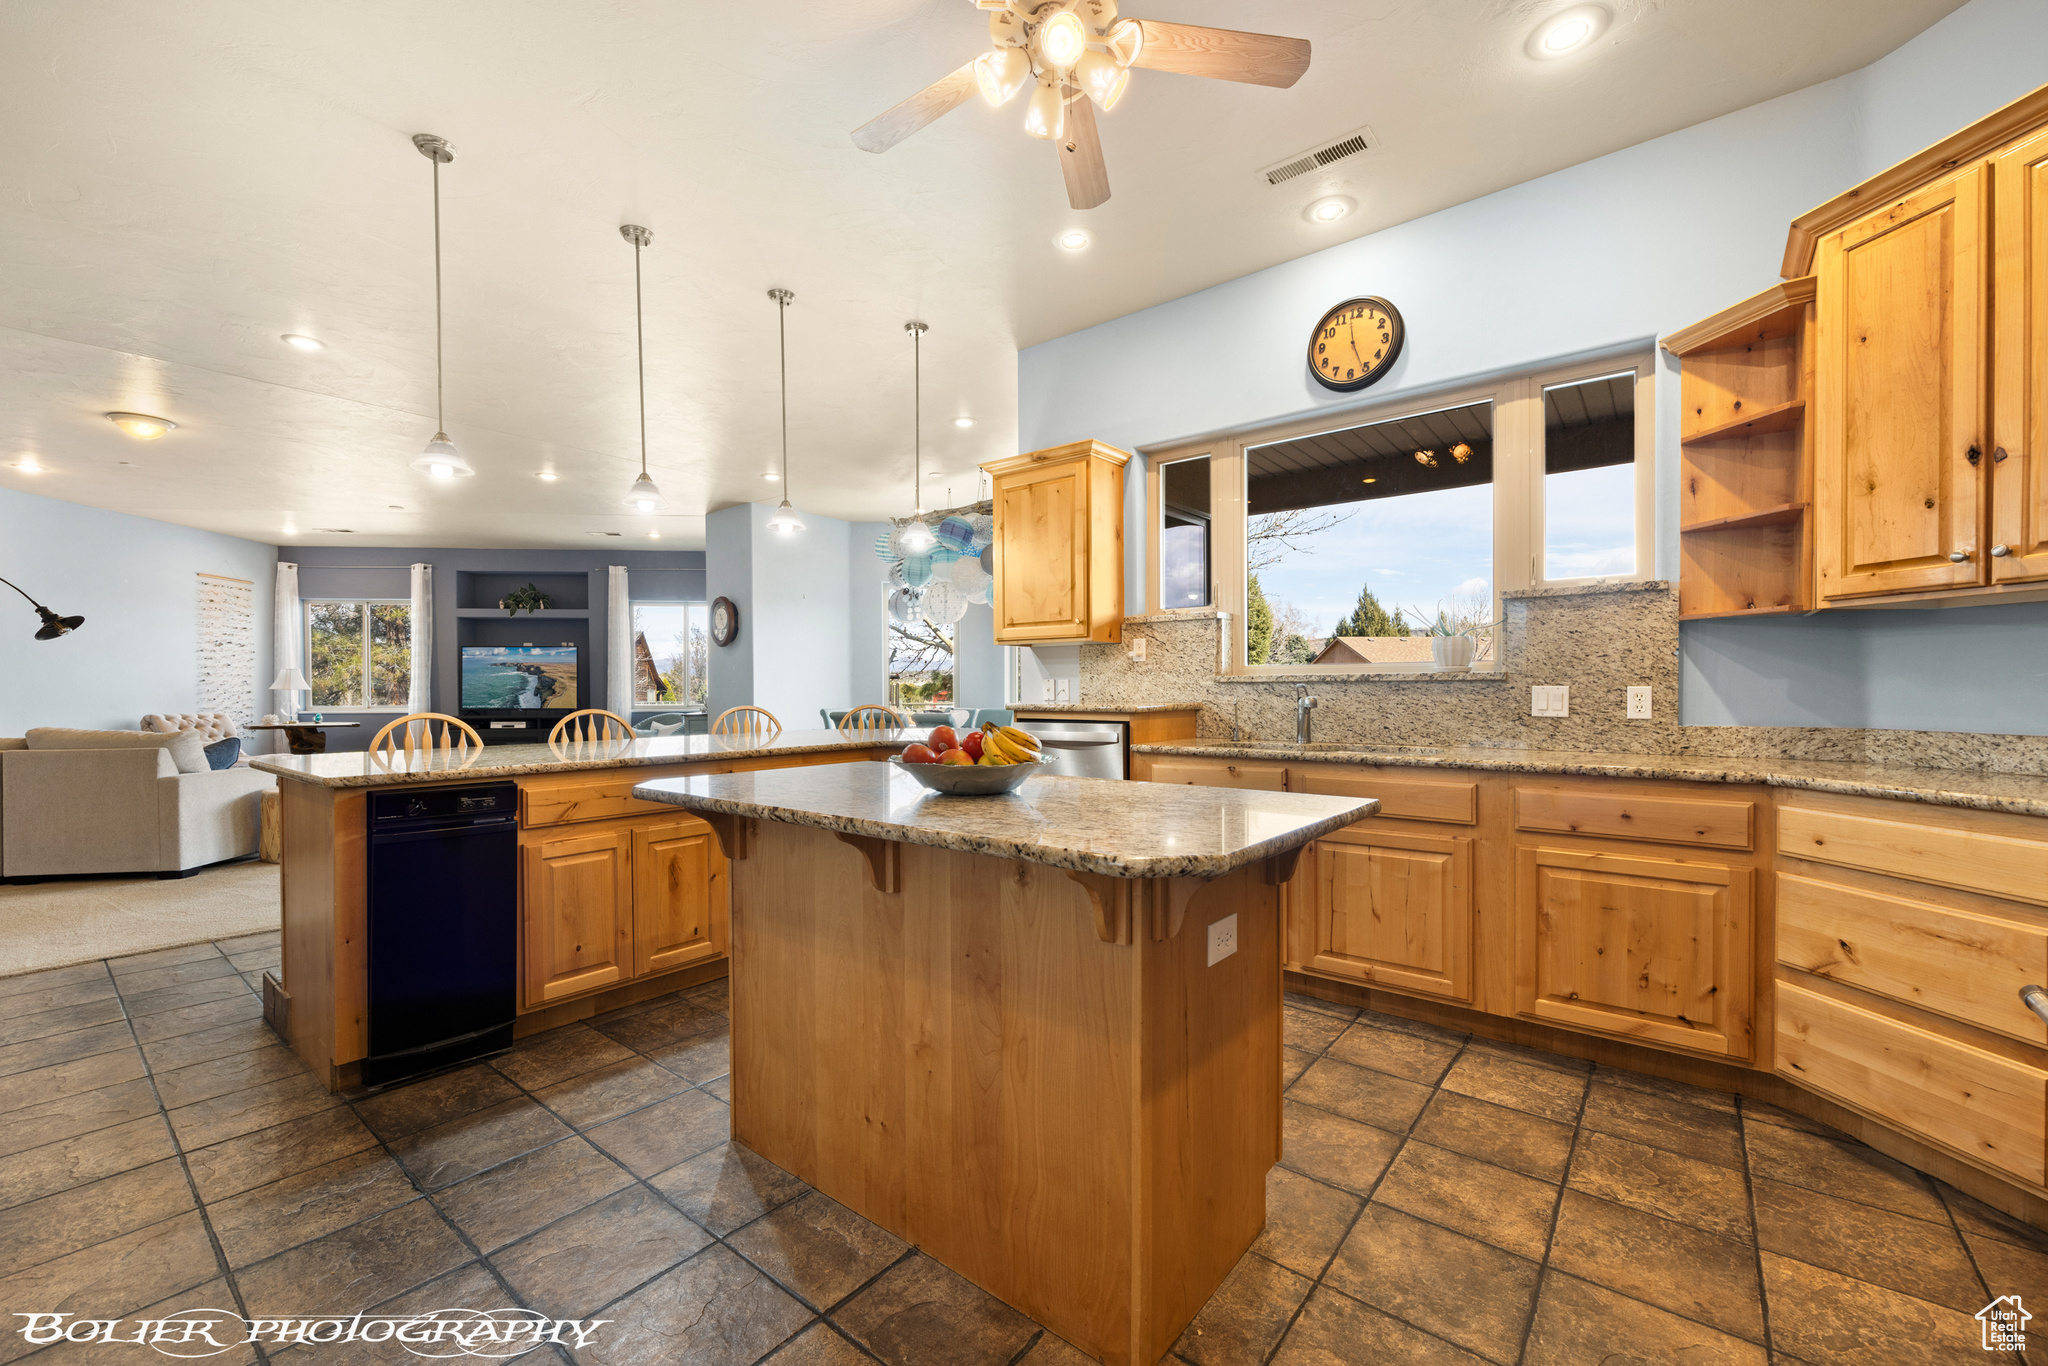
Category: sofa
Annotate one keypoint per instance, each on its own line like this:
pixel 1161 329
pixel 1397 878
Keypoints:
pixel 85 802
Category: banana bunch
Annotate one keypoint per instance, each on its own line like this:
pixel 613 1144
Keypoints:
pixel 1007 745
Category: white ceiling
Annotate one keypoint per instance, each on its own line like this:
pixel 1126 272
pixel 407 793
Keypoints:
pixel 181 183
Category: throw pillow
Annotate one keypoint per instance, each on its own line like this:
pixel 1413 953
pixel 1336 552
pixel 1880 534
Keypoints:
pixel 223 753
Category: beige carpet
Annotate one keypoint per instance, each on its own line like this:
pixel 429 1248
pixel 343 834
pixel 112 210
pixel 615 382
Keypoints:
pixel 53 924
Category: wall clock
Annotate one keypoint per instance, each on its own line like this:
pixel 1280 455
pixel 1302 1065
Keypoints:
pixel 1355 343
pixel 725 621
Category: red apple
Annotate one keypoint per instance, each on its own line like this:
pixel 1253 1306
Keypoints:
pixel 918 754
pixel 956 756
pixel 944 739
pixel 972 744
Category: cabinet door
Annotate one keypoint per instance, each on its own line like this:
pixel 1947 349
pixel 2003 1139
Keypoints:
pixel 679 911
pixel 1653 947
pixel 578 895
pixel 1041 559
pixel 1901 386
pixel 1392 910
pixel 2019 405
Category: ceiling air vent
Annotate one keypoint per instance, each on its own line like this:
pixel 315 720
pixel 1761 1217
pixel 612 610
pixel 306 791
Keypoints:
pixel 1350 145
pixel 335 530
pixel 606 533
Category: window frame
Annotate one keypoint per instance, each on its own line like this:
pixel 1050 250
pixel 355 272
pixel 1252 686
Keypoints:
pixel 1518 487
pixel 633 604
pixel 306 606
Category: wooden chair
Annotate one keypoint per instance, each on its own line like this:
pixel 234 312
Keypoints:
pixel 872 718
pixel 746 721
pixel 591 724
pixel 456 740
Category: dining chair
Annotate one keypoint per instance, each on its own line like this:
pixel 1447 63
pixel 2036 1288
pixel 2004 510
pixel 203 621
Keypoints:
pixel 872 718
pixel 1001 716
pixel 451 736
pixel 746 721
pixel 591 726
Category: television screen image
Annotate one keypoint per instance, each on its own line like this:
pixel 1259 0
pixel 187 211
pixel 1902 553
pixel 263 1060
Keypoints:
pixel 519 677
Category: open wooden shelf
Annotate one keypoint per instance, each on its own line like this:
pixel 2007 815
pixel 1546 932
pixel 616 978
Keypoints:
pixel 1744 612
pixel 1777 417
pixel 1771 516
pixel 544 614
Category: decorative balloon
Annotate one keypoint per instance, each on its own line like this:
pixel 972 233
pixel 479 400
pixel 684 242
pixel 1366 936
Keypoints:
pixel 943 604
pixel 917 571
pixel 903 606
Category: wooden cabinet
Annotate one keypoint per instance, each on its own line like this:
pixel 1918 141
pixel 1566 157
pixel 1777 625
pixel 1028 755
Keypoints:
pixel 1655 947
pixel 2019 437
pixel 577 913
pixel 1258 777
pixel 1059 544
pixel 1391 908
pixel 1901 386
pixel 675 888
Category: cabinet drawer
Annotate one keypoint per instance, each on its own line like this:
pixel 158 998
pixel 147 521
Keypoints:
pixel 597 800
pixel 2000 865
pixel 1664 820
pixel 1993 1108
pixel 1952 962
pixel 1220 773
pixel 1411 799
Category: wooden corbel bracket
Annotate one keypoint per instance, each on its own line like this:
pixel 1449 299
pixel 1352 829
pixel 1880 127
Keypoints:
pixel 884 860
pixel 731 832
pixel 1111 897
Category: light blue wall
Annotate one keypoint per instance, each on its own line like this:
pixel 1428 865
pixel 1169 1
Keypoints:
pixel 1611 252
pixel 867 615
pixel 795 651
pixel 134 581
pixel 729 573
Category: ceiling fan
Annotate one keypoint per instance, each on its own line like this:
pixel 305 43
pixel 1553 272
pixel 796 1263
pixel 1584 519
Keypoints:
pixel 1078 55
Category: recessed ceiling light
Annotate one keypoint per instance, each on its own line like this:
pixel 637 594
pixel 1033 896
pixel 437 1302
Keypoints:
pixel 1073 239
pixel 963 422
pixel 772 477
pixel 1567 31
pixel 1330 209
pixel 28 464
pixel 1369 479
pixel 142 426
pixel 654 535
pixel 303 343
pixel 546 476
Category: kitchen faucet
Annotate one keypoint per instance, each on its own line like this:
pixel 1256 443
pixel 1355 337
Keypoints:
pixel 1303 705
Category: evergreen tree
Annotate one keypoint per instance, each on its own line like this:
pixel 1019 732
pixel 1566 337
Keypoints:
pixel 1258 625
pixel 1369 618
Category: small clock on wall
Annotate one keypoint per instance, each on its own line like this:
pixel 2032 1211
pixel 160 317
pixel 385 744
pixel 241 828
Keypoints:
pixel 725 621
pixel 1355 343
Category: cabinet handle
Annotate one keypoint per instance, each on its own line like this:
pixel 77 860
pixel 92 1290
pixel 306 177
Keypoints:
pixel 2036 998
pixel 1958 556
pixel 2001 551
pixel 1974 454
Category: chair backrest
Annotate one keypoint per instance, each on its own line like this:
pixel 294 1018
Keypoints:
pixel 662 723
pixel 424 732
pixel 872 718
pixel 211 725
pixel 1001 716
pixel 746 721
pixel 593 724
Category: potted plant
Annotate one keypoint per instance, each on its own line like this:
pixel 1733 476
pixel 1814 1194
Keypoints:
pixel 528 599
pixel 1453 637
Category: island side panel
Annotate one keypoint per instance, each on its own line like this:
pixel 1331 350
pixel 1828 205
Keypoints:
pixel 325 898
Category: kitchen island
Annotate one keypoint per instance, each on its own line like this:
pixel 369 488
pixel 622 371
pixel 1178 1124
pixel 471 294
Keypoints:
pixel 1037 1035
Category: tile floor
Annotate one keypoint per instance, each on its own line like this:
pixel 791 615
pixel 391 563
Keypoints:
pixel 1443 1200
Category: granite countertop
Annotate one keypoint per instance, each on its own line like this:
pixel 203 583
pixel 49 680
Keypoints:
pixel 1036 708
pixel 512 761
pixel 1088 825
pixel 2017 794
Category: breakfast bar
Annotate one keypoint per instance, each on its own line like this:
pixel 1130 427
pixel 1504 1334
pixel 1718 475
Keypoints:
pixel 1038 1035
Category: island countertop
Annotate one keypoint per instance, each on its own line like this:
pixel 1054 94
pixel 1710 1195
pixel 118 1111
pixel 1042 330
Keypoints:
pixel 360 769
pixel 1087 825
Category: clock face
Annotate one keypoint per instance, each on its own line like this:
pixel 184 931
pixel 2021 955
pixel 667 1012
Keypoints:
pixel 725 621
pixel 1354 344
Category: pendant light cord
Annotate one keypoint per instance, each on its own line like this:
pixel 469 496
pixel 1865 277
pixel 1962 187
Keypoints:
pixel 640 351
pixel 917 420
pixel 440 416
pixel 782 347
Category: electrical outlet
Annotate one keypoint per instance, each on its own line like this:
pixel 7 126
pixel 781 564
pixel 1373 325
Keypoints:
pixel 1062 690
pixel 1550 700
pixel 1639 703
pixel 1222 939
pixel 1138 649
pixel 1045 690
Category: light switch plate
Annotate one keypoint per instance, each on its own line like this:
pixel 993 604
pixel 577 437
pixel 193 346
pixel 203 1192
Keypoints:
pixel 1550 700
pixel 1639 703
pixel 1062 690
pixel 1222 939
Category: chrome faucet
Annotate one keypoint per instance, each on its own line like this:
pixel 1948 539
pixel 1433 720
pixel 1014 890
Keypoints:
pixel 1303 705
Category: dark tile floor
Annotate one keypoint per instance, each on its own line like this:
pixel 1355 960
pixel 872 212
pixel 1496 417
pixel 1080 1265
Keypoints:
pixel 1443 1200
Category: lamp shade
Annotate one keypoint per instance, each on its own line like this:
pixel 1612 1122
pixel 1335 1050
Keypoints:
pixel 1001 73
pixel 1046 115
pixel 441 460
pixel 917 538
pixel 785 519
pixel 289 680
pixel 644 496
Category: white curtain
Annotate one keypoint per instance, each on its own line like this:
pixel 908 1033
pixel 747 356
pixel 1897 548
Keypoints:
pixel 619 655
pixel 421 697
pixel 285 637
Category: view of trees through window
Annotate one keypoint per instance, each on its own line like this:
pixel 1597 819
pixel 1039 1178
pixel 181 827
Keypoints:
pixel 1357 540
pixel 920 664
pixel 671 654
pixel 358 654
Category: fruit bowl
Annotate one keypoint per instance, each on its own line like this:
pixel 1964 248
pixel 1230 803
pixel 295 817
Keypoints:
pixel 970 780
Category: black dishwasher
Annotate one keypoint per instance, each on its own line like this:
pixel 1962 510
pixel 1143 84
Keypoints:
pixel 443 932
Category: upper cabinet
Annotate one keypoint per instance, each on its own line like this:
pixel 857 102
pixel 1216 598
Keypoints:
pixel 2019 404
pixel 1059 544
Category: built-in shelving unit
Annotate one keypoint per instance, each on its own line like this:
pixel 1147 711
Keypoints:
pixel 544 614
pixel 1745 521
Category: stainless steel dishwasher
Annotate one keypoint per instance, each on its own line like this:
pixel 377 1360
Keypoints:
pixel 1082 749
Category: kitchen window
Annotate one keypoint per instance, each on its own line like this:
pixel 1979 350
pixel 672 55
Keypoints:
pixel 1338 542
pixel 671 655
pixel 920 664
pixel 358 654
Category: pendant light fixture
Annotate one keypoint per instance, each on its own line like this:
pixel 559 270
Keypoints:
pixel 917 538
pixel 440 459
pixel 784 518
pixel 643 496
pixel 53 625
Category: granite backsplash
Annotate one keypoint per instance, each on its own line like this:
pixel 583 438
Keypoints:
pixel 1598 641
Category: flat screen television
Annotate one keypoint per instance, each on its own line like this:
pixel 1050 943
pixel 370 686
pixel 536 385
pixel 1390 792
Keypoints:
pixel 519 678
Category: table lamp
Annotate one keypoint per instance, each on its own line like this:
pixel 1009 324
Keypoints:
pixel 290 680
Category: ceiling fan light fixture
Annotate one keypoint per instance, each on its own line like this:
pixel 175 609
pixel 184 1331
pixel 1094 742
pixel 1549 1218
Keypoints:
pixel 1126 39
pixel 142 426
pixel 1102 78
pixel 1046 116
pixel 1061 40
pixel 1001 73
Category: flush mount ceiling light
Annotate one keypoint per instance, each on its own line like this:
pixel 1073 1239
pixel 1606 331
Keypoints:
pixel 643 497
pixel 1079 55
pixel 963 422
pixel 917 538
pixel 142 426
pixel 1329 209
pixel 303 343
pixel 1567 32
pixel 1074 239
pixel 439 459
pixel 784 518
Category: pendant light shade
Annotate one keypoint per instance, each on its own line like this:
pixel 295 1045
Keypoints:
pixel 643 497
pixel 439 459
pixel 1046 115
pixel 784 518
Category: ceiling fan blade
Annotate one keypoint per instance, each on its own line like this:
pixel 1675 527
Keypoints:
pixel 884 131
pixel 1080 147
pixel 1222 54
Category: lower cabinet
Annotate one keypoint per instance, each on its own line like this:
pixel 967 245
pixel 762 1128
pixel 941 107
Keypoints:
pixel 675 887
pixel 1390 909
pixel 1654 947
